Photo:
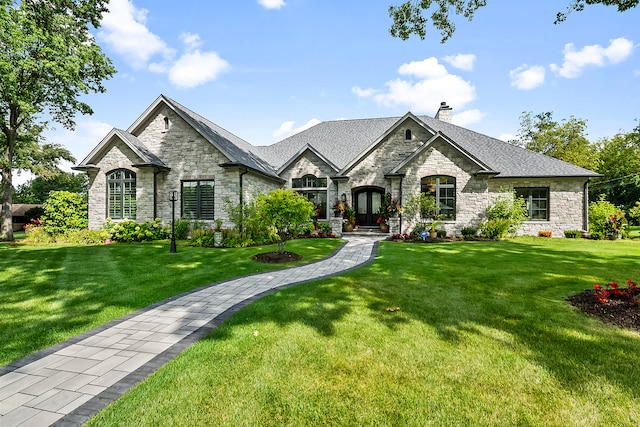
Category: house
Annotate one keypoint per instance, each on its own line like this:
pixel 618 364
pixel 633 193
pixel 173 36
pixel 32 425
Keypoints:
pixel 18 218
pixel 171 147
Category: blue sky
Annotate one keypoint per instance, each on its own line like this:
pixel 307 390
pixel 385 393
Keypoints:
pixel 264 69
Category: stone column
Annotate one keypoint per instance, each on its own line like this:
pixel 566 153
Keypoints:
pixel 394 225
pixel 336 226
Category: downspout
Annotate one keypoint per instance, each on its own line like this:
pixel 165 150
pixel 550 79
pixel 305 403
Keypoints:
pixel 401 202
pixel 585 208
pixel 242 174
pixel 155 193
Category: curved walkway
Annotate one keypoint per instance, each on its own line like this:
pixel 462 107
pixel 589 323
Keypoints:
pixel 66 384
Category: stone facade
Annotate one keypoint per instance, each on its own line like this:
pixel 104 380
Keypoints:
pixel 395 163
pixel 566 203
pixel 472 196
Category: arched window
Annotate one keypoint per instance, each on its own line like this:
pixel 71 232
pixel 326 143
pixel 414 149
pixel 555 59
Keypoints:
pixel 166 123
pixel 121 194
pixel 443 188
pixel 407 135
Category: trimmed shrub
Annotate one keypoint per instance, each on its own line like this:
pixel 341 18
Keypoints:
pixel 599 212
pixel 182 228
pixel 130 231
pixel 572 234
pixel 442 233
pixel 38 235
pixel 545 233
pixel 64 211
pixel 469 232
pixel 504 217
pixel 495 228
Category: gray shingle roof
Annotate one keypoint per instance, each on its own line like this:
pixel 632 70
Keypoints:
pixel 235 148
pixel 342 141
pixel 507 159
pixel 147 157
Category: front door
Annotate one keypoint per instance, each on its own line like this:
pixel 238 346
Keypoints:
pixel 368 201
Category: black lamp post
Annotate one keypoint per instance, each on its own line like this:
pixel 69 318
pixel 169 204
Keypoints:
pixel 173 197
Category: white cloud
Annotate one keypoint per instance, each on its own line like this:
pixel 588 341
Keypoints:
pixel 575 60
pixel 461 61
pixel 432 85
pixel 272 4
pixel 287 129
pixel 191 41
pixel 527 78
pixel 468 117
pixel 363 93
pixel 124 29
pixel 196 68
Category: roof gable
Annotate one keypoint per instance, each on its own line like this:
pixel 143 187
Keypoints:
pixel 301 153
pixel 441 137
pixel 234 148
pixel 145 156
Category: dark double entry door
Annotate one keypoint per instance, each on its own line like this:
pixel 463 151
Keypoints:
pixel 367 203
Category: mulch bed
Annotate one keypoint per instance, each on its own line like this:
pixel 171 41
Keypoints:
pixel 276 257
pixel 617 310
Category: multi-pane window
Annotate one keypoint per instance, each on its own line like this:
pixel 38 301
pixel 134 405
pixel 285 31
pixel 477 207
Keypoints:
pixel 318 197
pixel 197 199
pixel 309 181
pixel 537 200
pixel 443 189
pixel 121 194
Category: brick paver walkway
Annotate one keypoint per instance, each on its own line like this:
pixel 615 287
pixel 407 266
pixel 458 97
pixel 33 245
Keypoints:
pixel 67 384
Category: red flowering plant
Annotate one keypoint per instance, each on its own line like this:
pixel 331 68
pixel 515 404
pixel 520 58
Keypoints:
pixel 349 214
pixel 33 224
pixel 338 208
pixel 615 224
pixel 390 207
pixel 612 291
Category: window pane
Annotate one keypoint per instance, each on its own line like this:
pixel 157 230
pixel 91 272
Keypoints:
pixel 319 200
pixel 443 188
pixel 121 194
pixel 206 200
pixel 190 200
pixel 362 203
pixel 296 183
pixel 309 181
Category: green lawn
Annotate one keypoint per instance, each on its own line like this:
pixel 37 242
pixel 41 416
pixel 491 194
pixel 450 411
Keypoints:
pixel 483 337
pixel 52 293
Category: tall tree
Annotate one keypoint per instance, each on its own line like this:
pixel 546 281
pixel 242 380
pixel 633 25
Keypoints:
pixel 409 17
pixel 566 141
pixel 48 59
pixel 620 167
pixel 37 190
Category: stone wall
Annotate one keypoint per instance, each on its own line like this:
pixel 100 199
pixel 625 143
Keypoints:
pixel 120 156
pixel 566 203
pixel 472 196
pixel 190 157
pixel 388 154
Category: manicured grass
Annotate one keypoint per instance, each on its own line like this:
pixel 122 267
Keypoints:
pixel 52 293
pixel 634 231
pixel 483 337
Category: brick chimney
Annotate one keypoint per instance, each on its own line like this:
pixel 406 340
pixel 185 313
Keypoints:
pixel 444 112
